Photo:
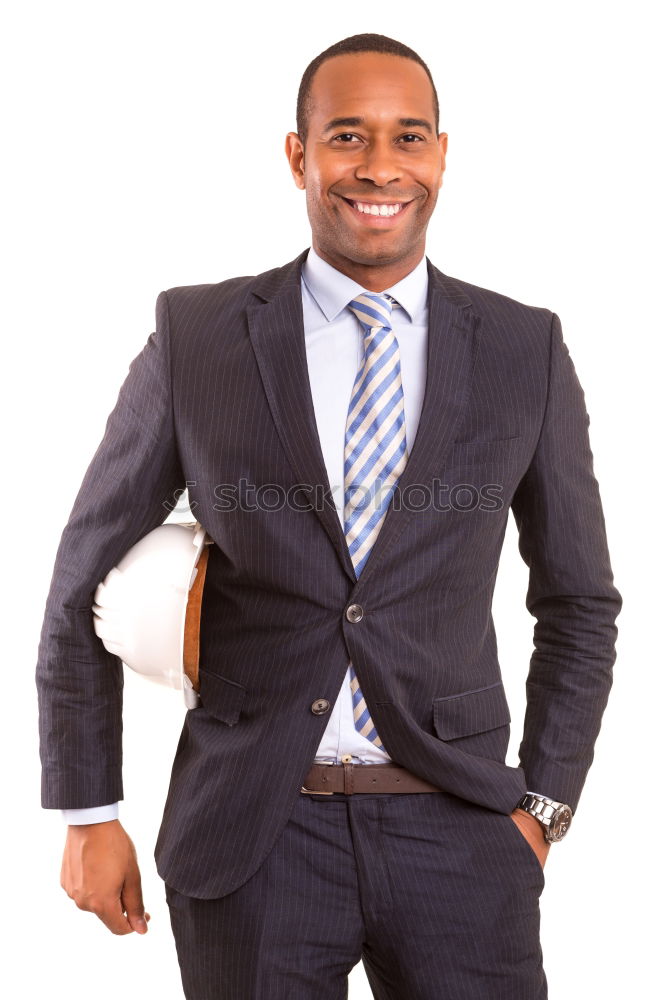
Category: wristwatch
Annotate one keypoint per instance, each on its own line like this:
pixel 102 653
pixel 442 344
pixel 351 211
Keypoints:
pixel 555 817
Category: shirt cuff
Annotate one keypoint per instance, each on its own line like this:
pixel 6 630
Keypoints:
pixel 93 814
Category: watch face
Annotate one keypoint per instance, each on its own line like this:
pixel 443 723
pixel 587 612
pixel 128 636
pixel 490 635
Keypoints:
pixel 560 822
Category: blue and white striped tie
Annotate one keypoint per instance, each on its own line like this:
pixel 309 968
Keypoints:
pixel 375 450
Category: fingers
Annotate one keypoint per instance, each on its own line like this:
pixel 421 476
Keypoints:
pixel 108 909
pixel 131 900
pixel 111 911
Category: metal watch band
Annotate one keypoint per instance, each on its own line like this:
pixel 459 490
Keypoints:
pixel 554 816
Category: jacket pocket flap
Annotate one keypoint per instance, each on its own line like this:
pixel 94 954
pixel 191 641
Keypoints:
pixel 220 696
pixel 471 712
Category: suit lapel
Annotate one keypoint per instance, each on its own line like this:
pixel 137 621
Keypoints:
pixel 278 339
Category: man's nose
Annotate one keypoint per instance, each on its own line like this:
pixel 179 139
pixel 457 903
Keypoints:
pixel 379 164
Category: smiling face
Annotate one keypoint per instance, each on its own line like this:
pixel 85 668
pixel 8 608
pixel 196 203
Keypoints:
pixel 372 165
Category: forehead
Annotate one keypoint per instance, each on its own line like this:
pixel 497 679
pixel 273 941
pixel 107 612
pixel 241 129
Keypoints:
pixel 370 85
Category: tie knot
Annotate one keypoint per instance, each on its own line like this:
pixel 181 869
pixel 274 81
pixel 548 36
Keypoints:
pixel 372 310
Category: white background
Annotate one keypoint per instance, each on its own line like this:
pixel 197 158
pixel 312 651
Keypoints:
pixel 144 149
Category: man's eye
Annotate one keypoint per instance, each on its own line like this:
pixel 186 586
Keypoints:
pixel 411 138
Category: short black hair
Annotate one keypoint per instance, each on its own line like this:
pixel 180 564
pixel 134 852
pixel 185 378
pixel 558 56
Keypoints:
pixel 355 43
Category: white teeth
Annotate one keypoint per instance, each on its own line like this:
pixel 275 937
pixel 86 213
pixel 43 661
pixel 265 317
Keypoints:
pixel 377 209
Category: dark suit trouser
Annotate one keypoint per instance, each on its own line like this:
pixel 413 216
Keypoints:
pixel 437 896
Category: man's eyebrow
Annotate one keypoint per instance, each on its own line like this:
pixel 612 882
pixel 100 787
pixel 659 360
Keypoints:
pixel 415 123
pixel 342 122
pixel 355 121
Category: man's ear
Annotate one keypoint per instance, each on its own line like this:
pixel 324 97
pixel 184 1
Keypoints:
pixel 443 141
pixel 293 147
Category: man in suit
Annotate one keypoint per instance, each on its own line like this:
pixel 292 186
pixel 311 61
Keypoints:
pixel 353 427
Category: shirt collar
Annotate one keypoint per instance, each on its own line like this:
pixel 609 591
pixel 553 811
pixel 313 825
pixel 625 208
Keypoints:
pixel 333 291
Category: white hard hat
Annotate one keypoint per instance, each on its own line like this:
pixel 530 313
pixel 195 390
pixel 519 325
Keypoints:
pixel 147 608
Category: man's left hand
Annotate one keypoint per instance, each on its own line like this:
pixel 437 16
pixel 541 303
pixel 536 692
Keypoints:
pixel 532 831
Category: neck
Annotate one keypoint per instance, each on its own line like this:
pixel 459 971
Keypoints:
pixel 375 277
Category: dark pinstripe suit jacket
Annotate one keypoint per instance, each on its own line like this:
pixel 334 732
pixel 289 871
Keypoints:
pixel 220 395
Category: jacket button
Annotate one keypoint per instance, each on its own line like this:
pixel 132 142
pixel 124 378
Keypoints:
pixel 320 706
pixel 354 613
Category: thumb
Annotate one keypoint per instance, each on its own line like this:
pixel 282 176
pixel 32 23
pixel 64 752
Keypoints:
pixel 132 901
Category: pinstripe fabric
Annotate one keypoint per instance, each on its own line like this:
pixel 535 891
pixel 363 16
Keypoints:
pixel 437 897
pixel 219 398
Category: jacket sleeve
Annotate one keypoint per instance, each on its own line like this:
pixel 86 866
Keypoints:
pixel 562 539
pixel 129 487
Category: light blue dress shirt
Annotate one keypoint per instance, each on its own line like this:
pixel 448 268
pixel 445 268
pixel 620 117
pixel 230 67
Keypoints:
pixel 334 347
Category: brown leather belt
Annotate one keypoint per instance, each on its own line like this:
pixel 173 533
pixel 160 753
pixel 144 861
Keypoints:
pixel 325 779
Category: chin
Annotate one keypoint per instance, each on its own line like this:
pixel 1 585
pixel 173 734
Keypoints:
pixel 344 244
pixel 379 252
